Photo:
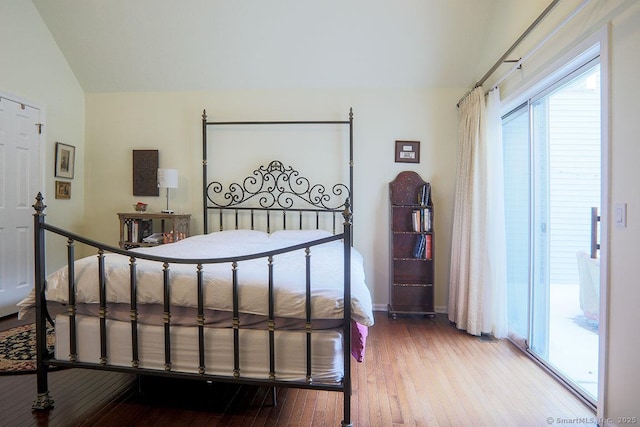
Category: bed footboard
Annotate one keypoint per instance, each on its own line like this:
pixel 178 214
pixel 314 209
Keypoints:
pixel 43 399
pixel 102 327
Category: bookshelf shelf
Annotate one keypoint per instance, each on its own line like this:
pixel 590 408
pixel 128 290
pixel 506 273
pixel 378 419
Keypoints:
pixel 411 240
pixel 135 227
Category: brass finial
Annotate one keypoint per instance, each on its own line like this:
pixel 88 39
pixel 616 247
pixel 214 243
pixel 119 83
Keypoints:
pixel 39 206
pixel 346 214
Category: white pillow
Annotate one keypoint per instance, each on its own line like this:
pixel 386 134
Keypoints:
pixel 300 236
pixel 237 235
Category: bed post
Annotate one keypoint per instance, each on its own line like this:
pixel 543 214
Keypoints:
pixel 204 172
pixel 351 156
pixel 43 400
pixel 346 422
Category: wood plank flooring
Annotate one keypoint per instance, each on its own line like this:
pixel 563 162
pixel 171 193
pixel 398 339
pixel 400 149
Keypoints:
pixel 417 372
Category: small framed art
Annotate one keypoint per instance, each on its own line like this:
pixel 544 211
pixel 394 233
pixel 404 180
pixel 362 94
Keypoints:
pixel 407 151
pixel 63 190
pixel 65 160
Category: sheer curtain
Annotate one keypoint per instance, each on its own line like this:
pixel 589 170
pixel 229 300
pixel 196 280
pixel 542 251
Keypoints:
pixel 477 289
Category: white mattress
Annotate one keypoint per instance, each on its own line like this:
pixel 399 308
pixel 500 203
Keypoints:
pixel 327 356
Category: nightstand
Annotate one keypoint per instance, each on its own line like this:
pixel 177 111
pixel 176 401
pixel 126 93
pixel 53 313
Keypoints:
pixel 137 228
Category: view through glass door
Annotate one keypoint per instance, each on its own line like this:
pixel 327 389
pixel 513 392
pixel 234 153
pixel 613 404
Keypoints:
pixel 552 195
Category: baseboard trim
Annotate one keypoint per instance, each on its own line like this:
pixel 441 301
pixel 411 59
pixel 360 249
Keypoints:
pixel 383 307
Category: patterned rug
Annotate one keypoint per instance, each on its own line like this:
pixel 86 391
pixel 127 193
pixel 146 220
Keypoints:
pixel 17 349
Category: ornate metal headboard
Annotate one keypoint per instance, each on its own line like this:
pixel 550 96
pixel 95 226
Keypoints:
pixel 276 187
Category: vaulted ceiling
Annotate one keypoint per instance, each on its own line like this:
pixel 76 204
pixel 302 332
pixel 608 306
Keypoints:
pixel 171 45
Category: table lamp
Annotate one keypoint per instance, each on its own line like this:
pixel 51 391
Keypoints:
pixel 167 178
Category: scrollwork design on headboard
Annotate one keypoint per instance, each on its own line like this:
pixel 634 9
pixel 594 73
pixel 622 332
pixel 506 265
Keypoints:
pixel 277 186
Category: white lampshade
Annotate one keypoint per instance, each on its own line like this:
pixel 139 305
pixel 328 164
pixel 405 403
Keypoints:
pixel 167 178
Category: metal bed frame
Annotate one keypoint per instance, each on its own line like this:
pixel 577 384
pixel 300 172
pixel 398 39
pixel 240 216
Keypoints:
pixel 315 196
pixel 274 187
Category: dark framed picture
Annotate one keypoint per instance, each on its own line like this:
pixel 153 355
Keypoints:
pixel 145 173
pixel 408 151
pixel 63 190
pixel 65 160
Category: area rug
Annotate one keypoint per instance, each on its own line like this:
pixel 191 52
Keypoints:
pixel 18 349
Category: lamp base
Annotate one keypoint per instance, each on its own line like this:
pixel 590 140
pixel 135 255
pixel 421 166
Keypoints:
pixel 169 211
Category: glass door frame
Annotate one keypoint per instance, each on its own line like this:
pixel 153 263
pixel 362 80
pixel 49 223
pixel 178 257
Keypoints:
pixel 595 45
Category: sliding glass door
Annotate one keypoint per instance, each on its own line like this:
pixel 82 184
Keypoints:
pixel 517 198
pixel 552 175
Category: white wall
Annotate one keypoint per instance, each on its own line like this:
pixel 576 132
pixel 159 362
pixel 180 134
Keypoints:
pixel 623 386
pixel 34 69
pixel 171 122
pixel 621 390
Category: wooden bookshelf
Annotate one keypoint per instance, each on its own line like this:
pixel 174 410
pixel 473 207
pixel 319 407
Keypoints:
pixel 411 247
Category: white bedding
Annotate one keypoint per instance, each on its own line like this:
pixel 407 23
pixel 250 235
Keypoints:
pixel 327 276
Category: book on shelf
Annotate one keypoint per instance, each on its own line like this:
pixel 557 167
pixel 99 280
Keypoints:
pixel 424 195
pixel 423 248
pixel 134 231
pixel 426 219
pixel 146 228
pixel 419 248
pixel 421 219
pixel 138 229
pixel 416 219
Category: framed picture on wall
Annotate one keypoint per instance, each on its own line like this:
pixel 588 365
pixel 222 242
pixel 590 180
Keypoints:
pixel 65 160
pixel 145 173
pixel 63 190
pixel 408 151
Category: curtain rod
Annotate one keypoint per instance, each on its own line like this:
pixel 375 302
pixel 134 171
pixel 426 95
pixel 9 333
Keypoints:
pixel 513 46
pixel 542 42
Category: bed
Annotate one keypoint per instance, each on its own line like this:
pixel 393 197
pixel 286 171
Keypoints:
pixel 280 302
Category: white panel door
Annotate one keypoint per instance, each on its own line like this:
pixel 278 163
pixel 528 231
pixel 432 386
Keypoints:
pixel 19 181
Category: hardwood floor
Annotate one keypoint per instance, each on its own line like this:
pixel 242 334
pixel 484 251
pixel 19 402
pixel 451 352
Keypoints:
pixel 416 372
